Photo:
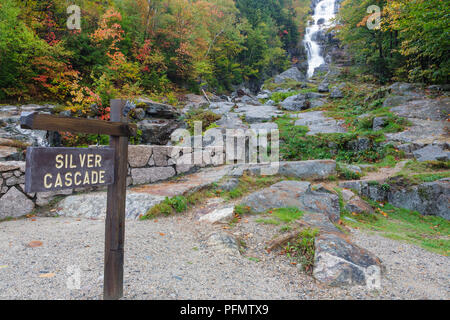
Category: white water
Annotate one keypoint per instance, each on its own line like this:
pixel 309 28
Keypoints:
pixel 323 10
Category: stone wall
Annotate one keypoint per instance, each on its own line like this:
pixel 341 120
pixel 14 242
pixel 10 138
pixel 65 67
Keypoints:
pixel 146 164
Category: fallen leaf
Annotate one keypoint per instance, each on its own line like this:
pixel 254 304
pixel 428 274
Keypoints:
pixel 35 244
pixel 3 267
pixel 47 275
pixel 162 234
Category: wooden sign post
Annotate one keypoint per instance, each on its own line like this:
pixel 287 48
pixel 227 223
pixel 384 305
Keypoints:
pixel 68 168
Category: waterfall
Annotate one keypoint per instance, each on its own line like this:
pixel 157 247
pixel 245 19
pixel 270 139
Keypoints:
pixel 324 12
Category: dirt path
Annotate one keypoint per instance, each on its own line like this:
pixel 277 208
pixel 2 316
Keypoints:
pixel 171 259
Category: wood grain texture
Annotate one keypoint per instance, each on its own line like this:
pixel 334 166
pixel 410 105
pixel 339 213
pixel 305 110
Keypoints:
pixel 115 213
pixel 71 165
pixel 36 121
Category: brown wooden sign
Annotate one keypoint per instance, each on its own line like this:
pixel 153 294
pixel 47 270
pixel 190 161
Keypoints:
pixel 69 168
pixel 50 169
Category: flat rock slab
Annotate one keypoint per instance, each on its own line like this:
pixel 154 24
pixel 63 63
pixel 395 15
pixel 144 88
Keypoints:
pixel 308 170
pixel 317 122
pixel 296 194
pixel 422 132
pixel 221 107
pixel 187 184
pixel 426 109
pixel 264 126
pixel 93 205
pixel 257 114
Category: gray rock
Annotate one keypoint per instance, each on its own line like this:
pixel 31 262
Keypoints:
pixel 357 205
pixel 151 175
pixel 269 103
pixel 93 205
pixel 44 198
pixel 264 126
pixel 139 156
pixel 394 101
pixel 336 93
pixel 324 87
pixel 221 215
pixel 378 123
pixel 361 144
pixel 422 132
pixel 308 170
pixel 158 131
pixel 430 198
pixel 157 110
pixel 231 121
pixel 263 96
pixel 290 74
pixel 294 194
pixel 221 107
pixel 338 262
pixel 10 154
pixel 402 88
pixel 431 153
pixel 424 109
pixel 223 242
pixel 295 103
pixel 257 114
pixel 15 204
pixel 316 103
pixel 229 184
pixel 317 122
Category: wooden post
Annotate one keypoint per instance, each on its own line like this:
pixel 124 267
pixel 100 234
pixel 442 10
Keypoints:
pixel 115 212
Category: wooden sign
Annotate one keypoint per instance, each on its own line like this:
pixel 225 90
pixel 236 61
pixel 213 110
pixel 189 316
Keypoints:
pixel 60 168
pixel 51 169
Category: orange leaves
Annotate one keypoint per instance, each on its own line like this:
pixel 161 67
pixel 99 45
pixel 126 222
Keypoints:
pixel 35 244
pixel 47 275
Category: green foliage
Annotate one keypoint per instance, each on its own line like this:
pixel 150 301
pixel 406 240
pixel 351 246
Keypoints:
pixel 206 117
pixel 302 250
pixel 428 232
pixel 411 43
pixel 176 204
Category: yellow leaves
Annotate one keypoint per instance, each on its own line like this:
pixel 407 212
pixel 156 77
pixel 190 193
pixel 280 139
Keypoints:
pixel 4 266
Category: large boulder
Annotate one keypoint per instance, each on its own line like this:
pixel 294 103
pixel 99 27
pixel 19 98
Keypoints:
pixel 290 74
pixel 295 103
pixel 431 153
pixel 338 262
pixel 429 198
pixel 294 194
pixel 157 110
pixel 157 131
pixel 15 204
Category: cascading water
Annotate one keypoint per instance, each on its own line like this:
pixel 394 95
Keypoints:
pixel 324 12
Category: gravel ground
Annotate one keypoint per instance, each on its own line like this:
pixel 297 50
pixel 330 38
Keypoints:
pixel 170 259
